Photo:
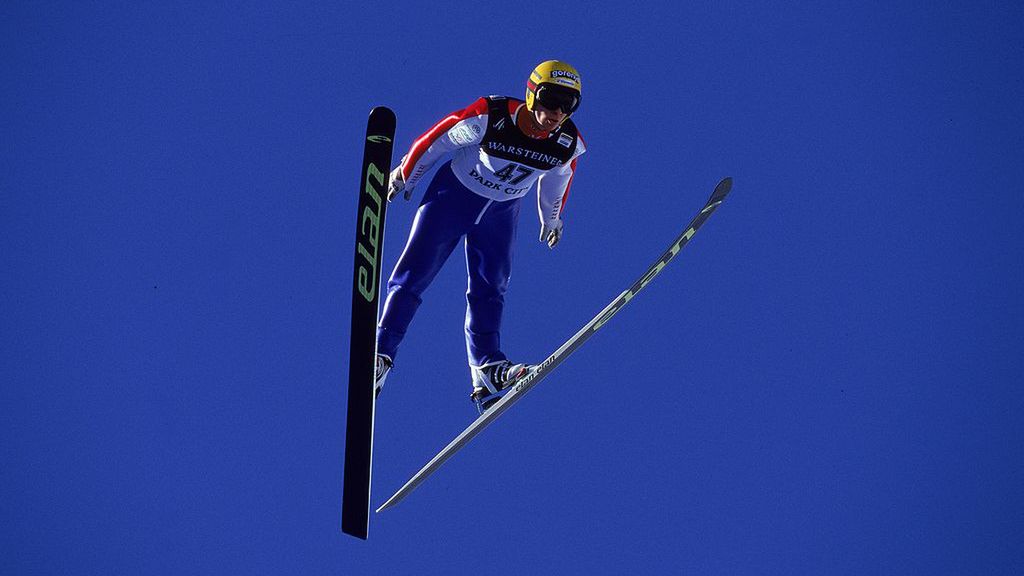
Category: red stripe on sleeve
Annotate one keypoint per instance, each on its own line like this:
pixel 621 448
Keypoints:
pixel 477 108
pixel 565 195
pixel 572 166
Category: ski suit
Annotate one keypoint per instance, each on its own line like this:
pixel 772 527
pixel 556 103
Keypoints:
pixel 476 195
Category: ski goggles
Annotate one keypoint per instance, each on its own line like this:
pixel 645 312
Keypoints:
pixel 557 98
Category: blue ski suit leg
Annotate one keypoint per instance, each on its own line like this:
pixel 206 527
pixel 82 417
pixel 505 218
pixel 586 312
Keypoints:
pixel 448 212
pixel 489 246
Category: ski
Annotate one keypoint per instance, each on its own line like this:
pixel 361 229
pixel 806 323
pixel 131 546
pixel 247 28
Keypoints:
pixel 373 184
pixel 540 371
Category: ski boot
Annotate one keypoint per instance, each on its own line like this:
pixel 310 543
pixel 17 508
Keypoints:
pixel 493 381
pixel 380 374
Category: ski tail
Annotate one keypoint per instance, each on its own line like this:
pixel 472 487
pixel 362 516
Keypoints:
pixel 373 185
pixel 563 352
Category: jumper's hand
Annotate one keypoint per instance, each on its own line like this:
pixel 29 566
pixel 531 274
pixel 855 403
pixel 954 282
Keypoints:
pixel 396 184
pixel 551 233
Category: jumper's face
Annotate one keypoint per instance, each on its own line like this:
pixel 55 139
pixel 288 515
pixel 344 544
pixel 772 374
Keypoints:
pixel 547 119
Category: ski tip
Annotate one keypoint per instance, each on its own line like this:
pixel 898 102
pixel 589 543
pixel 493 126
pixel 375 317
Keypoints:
pixel 721 190
pixel 383 113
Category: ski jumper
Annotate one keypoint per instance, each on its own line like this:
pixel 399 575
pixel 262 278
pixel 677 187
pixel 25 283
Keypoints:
pixel 476 195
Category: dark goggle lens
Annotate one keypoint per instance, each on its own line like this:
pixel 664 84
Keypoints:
pixel 553 99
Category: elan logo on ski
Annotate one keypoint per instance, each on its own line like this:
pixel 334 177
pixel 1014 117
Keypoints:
pixel 368 235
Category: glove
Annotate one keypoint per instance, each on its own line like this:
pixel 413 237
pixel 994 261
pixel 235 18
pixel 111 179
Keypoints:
pixel 551 234
pixel 396 184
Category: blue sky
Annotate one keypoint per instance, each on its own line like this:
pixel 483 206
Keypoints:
pixel 826 381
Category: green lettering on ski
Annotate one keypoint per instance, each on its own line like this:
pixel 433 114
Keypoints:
pixel 369 234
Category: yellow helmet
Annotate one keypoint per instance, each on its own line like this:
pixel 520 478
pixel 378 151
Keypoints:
pixel 554 85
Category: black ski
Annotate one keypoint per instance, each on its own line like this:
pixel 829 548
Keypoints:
pixel 373 185
pixel 539 372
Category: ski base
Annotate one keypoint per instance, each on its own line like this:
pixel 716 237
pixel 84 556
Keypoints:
pixel 355 506
pixel 571 345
